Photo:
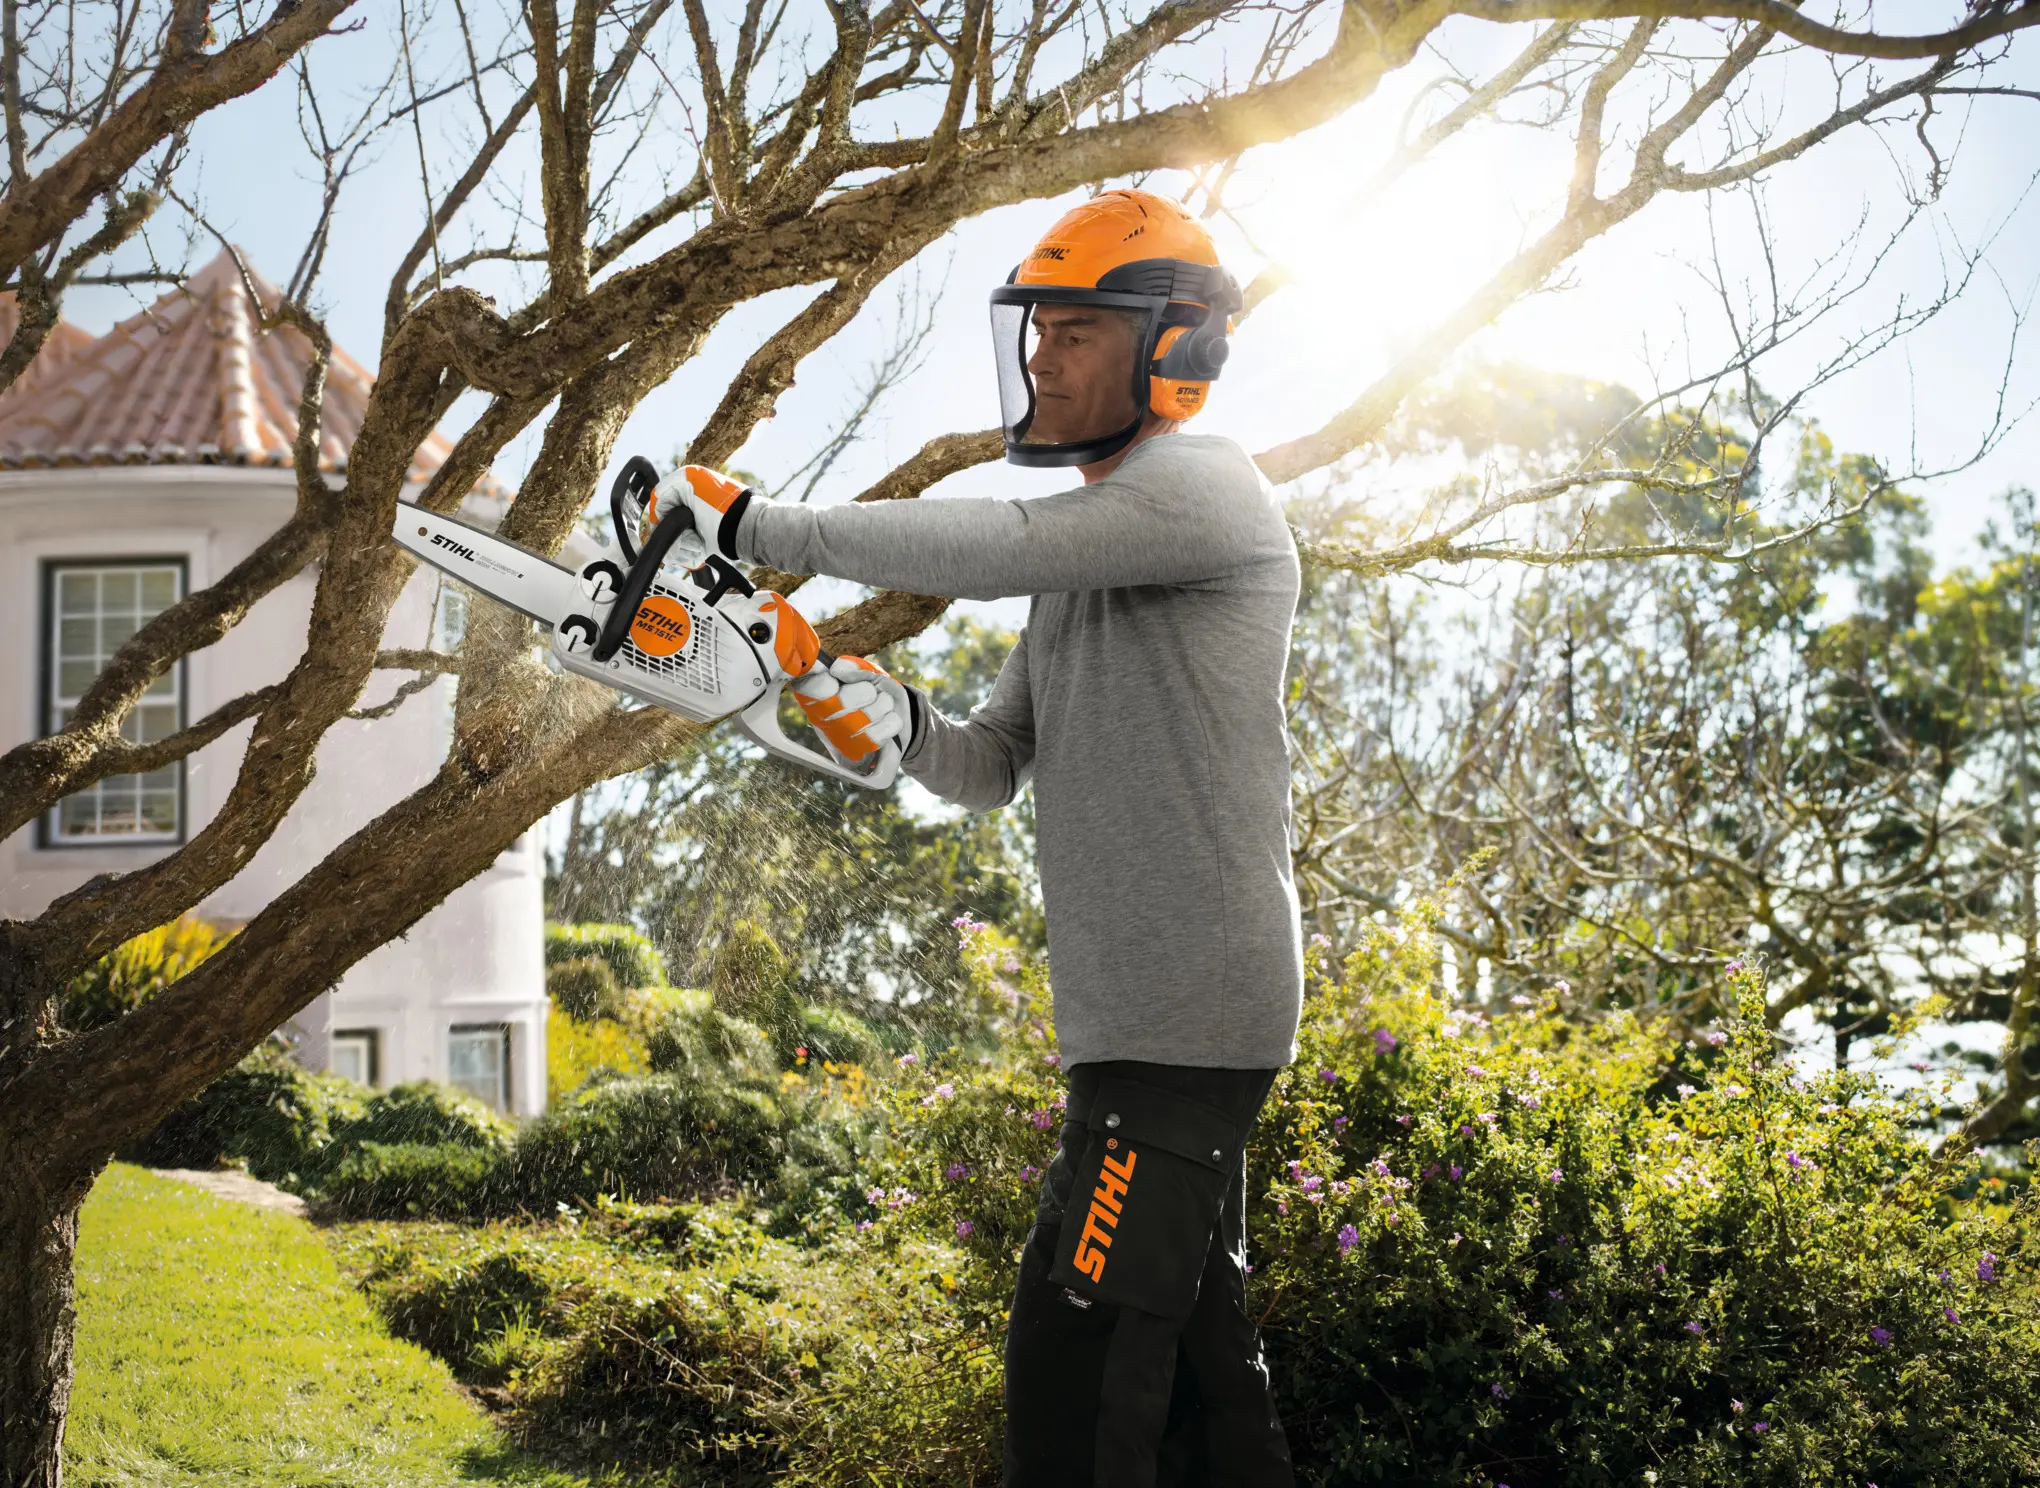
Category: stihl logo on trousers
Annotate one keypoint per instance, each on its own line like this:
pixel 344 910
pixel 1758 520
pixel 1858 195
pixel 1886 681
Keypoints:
pixel 1103 1218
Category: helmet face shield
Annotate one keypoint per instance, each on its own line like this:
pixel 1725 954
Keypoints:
pixel 1073 370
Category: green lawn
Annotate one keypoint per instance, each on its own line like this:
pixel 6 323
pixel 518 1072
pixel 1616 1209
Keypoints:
pixel 218 1344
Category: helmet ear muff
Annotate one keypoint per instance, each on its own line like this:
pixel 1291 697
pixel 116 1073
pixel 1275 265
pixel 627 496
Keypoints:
pixel 1199 355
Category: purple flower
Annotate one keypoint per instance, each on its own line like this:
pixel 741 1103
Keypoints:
pixel 1053 1061
pixel 965 1229
pixel 874 1196
pixel 1465 1130
pixel 1281 1207
pixel 1404 1120
pixel 1717 1038
pixel 1487 1118
pixel 1321 941
pixel 1329 1076
pixel 1529 1102
pixel 1685 1092
pixel 1695 1329
pixel 1736 1406
pixel 1659 1268
pixel 1339 1123
pixel 1348 1238
pixel 1476 1072
pixel 863 1225
pixel 1029 1173
pixel 1881 1337
pixel 1760 1427
pixel 1519 1000
pixel 1949 1313
pixel 1041 1120
pixel 1457 1172
pixel 956 1172
pixel 1556 1174
pixel 1380 1165
pixel 1556 1294
pixel 1796 1160
pixel 1986 1269
pixel 966 927
pixel 1498 1392
pixel 1430 1170
pixel 945 1090
pixel 1295 1169
pixel 1562 987
pixel 906 1061
pixel 1735 968
pixel 1313 1183
pixel 1384 1041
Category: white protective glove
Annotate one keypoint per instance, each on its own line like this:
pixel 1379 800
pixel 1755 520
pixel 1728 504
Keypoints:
pixel 856 705
pixel 717 504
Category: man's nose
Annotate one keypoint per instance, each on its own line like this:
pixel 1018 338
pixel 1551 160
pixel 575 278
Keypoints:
pixel 1044 361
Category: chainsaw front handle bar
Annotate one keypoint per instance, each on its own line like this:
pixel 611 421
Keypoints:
pixel 639 478
pixel 637 582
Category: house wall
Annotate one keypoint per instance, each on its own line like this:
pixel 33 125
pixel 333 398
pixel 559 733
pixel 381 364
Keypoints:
pixel 477 958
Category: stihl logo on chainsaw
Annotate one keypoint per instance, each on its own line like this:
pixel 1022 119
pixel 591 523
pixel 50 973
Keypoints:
pixel 441 540
pixel 1107 1200
pixel 661 626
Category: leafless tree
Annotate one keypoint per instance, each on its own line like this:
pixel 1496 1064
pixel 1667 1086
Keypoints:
pixel 834 157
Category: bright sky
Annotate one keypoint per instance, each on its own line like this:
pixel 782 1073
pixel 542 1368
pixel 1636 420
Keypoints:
pixel 1635 307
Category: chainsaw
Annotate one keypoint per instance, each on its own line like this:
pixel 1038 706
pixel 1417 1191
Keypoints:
pixel 707 646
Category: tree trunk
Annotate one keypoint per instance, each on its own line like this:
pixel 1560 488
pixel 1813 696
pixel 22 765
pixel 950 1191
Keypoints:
pixel 38 1318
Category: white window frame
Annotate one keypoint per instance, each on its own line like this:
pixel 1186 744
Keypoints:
pixel 55 703
pixel 369 1041
pixel 499 1035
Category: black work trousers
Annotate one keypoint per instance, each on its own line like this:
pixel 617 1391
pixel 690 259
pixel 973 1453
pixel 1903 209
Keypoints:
pixel 1115 1397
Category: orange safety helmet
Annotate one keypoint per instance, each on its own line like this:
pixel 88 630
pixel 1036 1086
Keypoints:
pixel 1134 252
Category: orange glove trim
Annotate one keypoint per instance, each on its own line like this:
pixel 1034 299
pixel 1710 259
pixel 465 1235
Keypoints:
pixel 715 489
pixel 793 640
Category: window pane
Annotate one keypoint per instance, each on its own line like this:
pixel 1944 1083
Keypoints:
pixel 78 637
pixel 77 593
pixel 73 677
pixel 97 610
pixel 475 1062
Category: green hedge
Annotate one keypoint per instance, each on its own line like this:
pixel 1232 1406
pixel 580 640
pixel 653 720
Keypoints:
pixel 269 1111
pixel 1486 1249
pixel 632 959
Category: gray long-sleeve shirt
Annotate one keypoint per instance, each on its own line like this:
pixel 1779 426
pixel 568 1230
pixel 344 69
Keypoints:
pixel 1145 700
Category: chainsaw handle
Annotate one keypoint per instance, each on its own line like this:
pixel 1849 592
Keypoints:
pixel 637 582
pixel 760 724
pixel 639 477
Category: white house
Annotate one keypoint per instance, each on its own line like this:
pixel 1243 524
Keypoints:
pixel 139 467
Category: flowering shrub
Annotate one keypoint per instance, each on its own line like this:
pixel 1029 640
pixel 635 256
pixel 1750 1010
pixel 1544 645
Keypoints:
pixel 1504 1249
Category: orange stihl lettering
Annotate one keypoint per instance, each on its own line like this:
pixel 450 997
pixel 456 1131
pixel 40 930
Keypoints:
pixel 1090 1262
pixel 1123 1166
pixel 1111 1189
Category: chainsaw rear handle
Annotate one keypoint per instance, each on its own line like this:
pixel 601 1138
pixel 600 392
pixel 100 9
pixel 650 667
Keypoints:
pixel 760 724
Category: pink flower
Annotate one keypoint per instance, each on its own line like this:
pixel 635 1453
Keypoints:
pixel 1476 1072
pixel 1529 1102
pixel 1053 1061
pixel 945 1090
pixel 906 1061
pixel 1313 1183
pixel 1556 1174
pixel 1404 1120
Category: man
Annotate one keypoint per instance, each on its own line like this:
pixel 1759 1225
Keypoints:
pixel 1145 701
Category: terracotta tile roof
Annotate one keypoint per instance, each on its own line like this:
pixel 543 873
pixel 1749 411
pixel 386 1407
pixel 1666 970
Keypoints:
pixel 192 380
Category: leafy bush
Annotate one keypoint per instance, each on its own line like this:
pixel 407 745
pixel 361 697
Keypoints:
pixel 1485 1249
pixel 584 988
pixel 423 1112
pixel 577 1052
pixel 632 959
pixel 663 1136
pixel 831 1035
pixel 445 1180
pixel 703 1043
pixel 130 974
pixel 268 1111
